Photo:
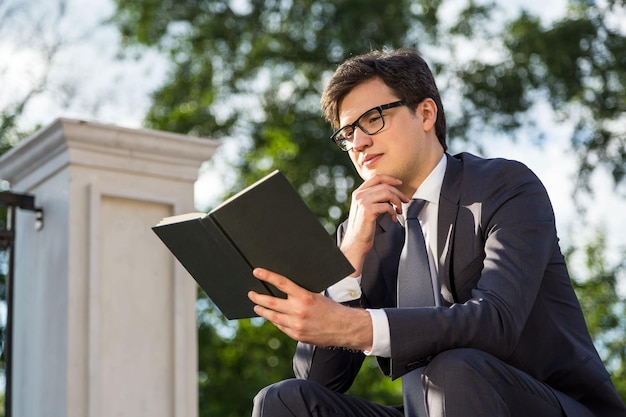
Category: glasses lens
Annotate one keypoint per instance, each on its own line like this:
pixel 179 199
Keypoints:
pixel 343 138
pixel 372 121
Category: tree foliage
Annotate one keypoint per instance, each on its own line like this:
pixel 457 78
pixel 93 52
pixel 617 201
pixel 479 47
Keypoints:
pixel 575 64
pixel 254 70
pixel 596 284
pixel 251 71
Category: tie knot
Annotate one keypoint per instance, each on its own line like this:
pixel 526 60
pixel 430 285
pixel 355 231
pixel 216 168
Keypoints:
pixel 415 206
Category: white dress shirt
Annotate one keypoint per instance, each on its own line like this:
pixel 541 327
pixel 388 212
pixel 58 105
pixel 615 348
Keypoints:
pixel 349 288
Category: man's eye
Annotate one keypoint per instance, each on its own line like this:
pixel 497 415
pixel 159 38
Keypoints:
pixel 374 119
pixel 371 119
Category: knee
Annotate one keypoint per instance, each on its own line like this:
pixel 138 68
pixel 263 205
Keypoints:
pixel 279 399
pixel 456 366
pixel 453 378
pixel 259 400
pixel 458 360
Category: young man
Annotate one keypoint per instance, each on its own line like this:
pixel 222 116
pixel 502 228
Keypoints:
pixel 501 332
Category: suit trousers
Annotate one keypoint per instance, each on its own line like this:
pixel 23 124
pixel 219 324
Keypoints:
pixel 457 383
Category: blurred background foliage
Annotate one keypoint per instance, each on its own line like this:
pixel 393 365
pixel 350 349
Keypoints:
pixel 250 73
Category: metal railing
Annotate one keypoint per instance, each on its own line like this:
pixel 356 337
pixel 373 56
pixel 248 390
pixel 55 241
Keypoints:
pixel 12 201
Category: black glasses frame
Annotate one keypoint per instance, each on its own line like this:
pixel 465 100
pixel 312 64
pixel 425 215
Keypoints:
pixel 344 145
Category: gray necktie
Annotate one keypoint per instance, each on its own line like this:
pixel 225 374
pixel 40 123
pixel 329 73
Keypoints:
pixel 415 289
pixel 415 286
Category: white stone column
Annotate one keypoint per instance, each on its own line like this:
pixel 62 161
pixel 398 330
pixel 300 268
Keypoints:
pixel 104 317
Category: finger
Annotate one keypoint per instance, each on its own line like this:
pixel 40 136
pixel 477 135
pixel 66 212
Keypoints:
pixel 381 199
pixel 380 192
pixel 281 282
pixel 389 208
pixel 271 309
pixel 266 313
pixel 264 300
pixel 396 201
pixel 274 315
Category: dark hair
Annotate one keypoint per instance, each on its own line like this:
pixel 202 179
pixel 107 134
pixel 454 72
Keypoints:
pixel 404 71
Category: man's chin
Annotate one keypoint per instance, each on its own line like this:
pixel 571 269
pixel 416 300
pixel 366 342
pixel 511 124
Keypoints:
pixel 366 174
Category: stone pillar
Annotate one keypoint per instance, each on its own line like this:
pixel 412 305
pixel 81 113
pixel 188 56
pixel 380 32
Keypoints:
pixel 104 317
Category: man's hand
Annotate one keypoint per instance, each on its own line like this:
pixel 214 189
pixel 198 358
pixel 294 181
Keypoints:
pixel 311 317
pixel 376 196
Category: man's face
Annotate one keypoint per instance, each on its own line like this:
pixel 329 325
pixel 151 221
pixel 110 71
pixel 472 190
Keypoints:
pixel 402 149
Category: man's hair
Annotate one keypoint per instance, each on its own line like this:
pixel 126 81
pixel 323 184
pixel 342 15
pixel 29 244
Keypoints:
pixel 404 71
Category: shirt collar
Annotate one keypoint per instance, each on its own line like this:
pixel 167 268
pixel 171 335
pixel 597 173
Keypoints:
pixel 430 189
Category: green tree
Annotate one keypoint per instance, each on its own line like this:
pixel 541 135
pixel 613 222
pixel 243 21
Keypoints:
pixel 233 361
pixel 596 284
pixel 575 64
pixel 263 83
pixel 255 69
pixel 252 72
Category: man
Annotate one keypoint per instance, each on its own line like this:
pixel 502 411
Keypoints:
pixel 504 334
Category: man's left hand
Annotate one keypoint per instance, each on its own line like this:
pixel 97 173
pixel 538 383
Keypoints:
pixel 311 317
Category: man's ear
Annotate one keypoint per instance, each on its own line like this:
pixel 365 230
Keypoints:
pixel 427 110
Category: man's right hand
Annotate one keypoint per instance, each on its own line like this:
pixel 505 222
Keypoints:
pixel 376 196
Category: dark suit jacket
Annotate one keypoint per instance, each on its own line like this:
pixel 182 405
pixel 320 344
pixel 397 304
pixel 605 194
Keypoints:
pixel 505 287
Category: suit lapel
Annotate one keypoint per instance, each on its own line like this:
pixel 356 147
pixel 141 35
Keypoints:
pixel 383 261
pixel 448 211
pixel 389 248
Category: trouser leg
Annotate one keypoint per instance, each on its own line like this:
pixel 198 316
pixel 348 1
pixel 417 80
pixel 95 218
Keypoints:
pixel 469 382
pixel 413 394
pixel 302 398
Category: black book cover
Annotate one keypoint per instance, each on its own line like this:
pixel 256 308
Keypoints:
pixel 266 225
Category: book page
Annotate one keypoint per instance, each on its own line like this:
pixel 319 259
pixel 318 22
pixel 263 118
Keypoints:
pixel 181 218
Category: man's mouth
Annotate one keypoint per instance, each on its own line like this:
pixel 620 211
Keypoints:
pixel 370 159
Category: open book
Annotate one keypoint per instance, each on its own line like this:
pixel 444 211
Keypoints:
pixel 266 225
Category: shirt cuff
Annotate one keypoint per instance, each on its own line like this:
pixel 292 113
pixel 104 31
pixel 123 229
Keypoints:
pixel 348 289
pixel 381 343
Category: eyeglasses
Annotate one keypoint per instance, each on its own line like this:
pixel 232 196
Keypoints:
pixel 370 122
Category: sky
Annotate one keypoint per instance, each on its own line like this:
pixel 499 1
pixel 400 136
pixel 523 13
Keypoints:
pixel 87 82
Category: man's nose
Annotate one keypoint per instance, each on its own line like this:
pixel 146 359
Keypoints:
pixel 361 140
